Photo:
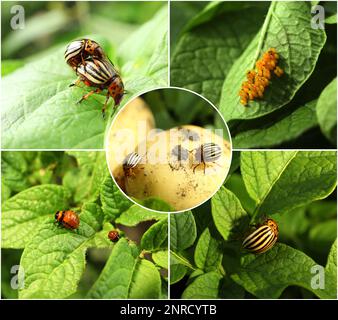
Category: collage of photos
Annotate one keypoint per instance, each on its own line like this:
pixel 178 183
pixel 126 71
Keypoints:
pixel 169 150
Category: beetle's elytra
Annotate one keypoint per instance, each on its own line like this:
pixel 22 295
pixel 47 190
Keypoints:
pixel 79 50
pixel 130 162
pixel 113 236
pixel 103 75
pixel 263 238
pixel 68 219
pixel 207 152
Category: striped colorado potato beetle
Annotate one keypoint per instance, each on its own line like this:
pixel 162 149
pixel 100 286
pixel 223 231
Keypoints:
pixel 68 219
pixel 130 163
pixel 103 75
pixel 113 236
pixel 79 50
pixel 263 238
pixel 207 153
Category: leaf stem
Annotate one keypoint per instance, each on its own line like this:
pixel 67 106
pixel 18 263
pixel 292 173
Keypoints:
pixel 183 260
pixel 263 31
pixel 221 270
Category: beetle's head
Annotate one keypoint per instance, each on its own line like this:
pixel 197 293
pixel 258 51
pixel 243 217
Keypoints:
pixel 93 48
pixel 116 90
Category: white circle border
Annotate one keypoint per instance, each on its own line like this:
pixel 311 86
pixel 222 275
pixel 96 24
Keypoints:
pixel 115 118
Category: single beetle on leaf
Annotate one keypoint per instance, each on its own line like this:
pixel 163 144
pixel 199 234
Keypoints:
pixel 263 238
pixel 113 236
pixel 102 75
pixel 68 219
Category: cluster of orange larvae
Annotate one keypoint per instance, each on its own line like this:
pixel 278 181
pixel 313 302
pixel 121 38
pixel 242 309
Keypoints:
pixel 258 80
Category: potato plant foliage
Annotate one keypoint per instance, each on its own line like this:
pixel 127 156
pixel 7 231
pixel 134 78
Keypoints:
pixel 219 43
pixel 293 188
pixel 40 110
pixel 59 263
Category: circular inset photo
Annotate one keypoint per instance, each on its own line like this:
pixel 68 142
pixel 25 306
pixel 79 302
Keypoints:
pixel 169 150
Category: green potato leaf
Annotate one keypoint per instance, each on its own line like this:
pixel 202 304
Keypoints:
pixel 44 112
pixel 327 111
pixel 227 212
pixel 208 253
pixel 13 168
pixel 24 213
pixel 331 19
pixel 5 192
pixel 8 66
pixel 182 231
pixel 276 131
pixel 136 214
pixel 156 237
pixel 126 276
pixel 114 202
pixel 287 28
pixel 331 268
pixel 267 275
pixel 179 267
pixel 92 173
pixel 206 52
pixel 101 240
pixel 205 286
pixel 161 258
pixel 283 180
pixel 53 261
pixel 177 272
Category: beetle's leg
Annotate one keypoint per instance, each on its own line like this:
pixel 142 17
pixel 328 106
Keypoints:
pixel 110 61
pixel 86 96
pixel 195 167
pixel 204 164
pixel 83 62
pixel 105 106
pixel 76 83
pixel 114 110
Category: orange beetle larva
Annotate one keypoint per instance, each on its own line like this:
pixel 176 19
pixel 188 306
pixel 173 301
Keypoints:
pixel 258 80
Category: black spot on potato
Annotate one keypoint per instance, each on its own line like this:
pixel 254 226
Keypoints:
pixel 189 134
pixel 180 153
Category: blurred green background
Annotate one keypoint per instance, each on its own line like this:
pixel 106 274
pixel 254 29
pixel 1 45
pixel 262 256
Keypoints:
pixel 174 107
pixel 48 24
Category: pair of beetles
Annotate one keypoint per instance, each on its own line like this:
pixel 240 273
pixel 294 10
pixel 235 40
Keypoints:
pixel 94 68
pixel 69 219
